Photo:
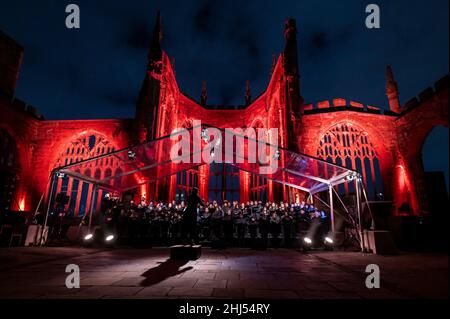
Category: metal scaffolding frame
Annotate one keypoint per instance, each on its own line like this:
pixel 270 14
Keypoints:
pixel 300 171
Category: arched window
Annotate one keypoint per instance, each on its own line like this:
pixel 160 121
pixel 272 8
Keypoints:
pixel 83 147
pixel 258 184
pixel 186 180
pixel 350 146
pixel 223 182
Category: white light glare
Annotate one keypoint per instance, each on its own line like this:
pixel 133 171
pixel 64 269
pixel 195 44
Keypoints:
pixel 204 135
pixel 88 237
pixel 328 240
pixel 109 237
pixel 307 240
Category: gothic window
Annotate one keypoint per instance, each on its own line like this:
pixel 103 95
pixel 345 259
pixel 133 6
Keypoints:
pixel 186 180
pixel 258 184
pixel 349 146
pixel 223 182
pixel 82 148
pixel 258 188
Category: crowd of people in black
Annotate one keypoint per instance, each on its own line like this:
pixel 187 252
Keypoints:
pixel 232 223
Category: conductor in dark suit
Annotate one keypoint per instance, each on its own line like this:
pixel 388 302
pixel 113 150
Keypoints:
pixel 190 215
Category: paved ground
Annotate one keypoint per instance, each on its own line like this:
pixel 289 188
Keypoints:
pixel 237 273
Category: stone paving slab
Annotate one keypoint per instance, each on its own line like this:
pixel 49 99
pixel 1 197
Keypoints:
pixel 235 273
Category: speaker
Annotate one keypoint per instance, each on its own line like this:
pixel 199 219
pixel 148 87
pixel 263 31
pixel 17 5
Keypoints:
pixel 379 242
pixel 381 211
pixel 62 199
pixel 185 252
pixel 74 234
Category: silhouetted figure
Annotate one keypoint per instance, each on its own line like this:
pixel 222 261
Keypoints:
pixel 190 215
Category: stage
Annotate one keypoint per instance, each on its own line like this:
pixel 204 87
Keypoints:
pixel 39 273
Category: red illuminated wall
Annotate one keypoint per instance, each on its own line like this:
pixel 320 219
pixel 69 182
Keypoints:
pixel 397 136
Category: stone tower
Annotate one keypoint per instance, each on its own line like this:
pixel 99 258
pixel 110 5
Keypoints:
pixel 148 100
pixel 294 100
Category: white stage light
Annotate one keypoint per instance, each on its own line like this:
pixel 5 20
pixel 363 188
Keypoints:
pixel 328 240
pixel 276 156
pixel 131 155
pixel 204 135
pixel 307 240
pixel 109 237
pixel 88 237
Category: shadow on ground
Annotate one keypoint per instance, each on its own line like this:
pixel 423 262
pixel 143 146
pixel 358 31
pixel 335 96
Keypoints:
pixel 163 271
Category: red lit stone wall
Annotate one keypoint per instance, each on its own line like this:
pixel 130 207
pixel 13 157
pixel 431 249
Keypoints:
pixel 421 115
pixel 397 138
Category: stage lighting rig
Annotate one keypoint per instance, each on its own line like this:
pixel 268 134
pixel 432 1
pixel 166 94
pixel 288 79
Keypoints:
pixel 131 155
pixel 277 154
pixel 352 176
pixel 204 135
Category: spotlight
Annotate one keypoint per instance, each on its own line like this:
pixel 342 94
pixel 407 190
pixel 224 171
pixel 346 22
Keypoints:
pixel 109 238
pixel 307 240
pixel 204 135
pixel 328 242
pixel 131 155
pixel 276 156
pixel 88 237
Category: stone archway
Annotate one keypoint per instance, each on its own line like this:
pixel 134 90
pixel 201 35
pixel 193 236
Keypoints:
pixel 432 161
pixel 413 127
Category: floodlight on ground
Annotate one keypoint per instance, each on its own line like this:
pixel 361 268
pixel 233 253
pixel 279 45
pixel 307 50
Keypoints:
pixel 109 238
pixel 328 243
pixel 88 237
pixel 307 240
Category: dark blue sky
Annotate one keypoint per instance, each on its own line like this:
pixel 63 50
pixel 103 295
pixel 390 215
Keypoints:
pixel 96 72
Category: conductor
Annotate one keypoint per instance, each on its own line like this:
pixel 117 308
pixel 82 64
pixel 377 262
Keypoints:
pixel 190 216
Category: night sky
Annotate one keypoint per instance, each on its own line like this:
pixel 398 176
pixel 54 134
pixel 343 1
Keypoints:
pixel 96 71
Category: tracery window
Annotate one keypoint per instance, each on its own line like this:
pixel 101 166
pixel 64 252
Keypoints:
pixel 258 184
pixel 223 182
pixel 350 146
pixel 258 188
pixel 82 148
pixel 186 180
